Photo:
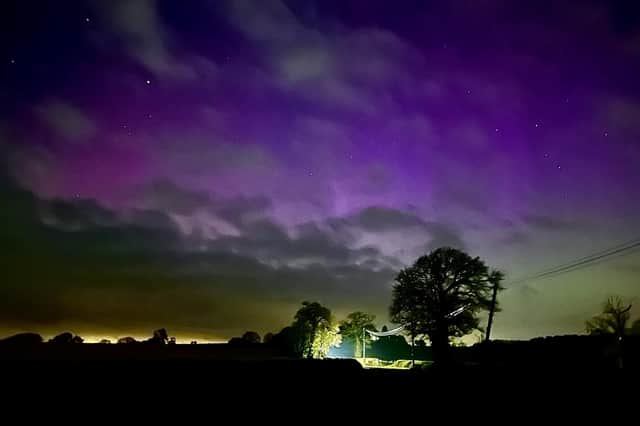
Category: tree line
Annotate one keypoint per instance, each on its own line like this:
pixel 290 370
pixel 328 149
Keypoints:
pixel 439 297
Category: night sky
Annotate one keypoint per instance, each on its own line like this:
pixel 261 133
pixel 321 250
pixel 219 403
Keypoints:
pixel 207 166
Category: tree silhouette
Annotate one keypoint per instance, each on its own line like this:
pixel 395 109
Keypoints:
pixel 62 338
pixel 22 339
pixel 66 338
pixel 316 328
pixel 251 337
pixel 127 340
pixel 612 321
pixel 105 341
pixel 267 338
pixel 290 340
pixel 440 296
pixel 160 337
pixel 635 327
pixel 352 328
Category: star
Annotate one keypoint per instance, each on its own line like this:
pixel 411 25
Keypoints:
pixel 87 19
pixel 13 61
pixel 537 125
pixel 546 155
pixel 497 130
pixel 468 91
pixel 310 173
pixel 559 167
pixel 606 134
pixel 148 82
pixel 149 116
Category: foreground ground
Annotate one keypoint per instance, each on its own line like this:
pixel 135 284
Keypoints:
pixel 222 380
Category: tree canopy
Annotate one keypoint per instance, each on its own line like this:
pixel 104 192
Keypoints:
pixel 316 328
pixel 441 295
pixel 613 320
pixel 352 328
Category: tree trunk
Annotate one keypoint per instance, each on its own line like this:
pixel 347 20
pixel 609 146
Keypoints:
pixel 312 339
pixel 357 347
pixel 441 348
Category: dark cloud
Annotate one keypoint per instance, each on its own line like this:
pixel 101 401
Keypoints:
pixel 443 235
pixel 514 238
pixel 550 223
pixel 469 198
pixel 378 219
pixel 165 195
pixel 75 214
pixel 382 219
pixel 67 121
pixel 138 26
pixel 135 270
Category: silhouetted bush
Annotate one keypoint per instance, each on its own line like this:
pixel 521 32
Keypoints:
pixel 22 339
pixel 248 338
pixel 160 337
pixel 251 337
pixel 66 338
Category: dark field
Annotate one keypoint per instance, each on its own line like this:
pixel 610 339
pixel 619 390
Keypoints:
pixel 551 357
pixel 218 377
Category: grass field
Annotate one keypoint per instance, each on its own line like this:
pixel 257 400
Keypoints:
pixel 399 364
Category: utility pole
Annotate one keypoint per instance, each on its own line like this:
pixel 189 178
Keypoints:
pixel 364 344
pixel 491 311
pixel 413 351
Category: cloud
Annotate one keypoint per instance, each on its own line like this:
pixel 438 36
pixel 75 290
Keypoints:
pixel 550 223
pixel 383 219
pixel 105 270
pixel 514 238
pixel 74 215
pixel 167 196
pixel 67 121
pixel 400 236
pixel 34 167
pixel 138 25
pixel 206 156
pixel 347 69
pixel 265 22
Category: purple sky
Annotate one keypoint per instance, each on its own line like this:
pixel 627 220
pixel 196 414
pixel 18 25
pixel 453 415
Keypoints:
pixel 206 167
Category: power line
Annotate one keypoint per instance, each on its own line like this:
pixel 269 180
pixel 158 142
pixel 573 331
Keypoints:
pixel 583 262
